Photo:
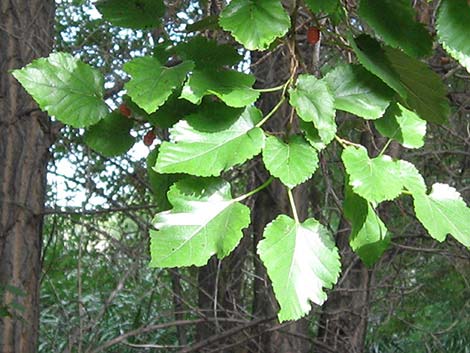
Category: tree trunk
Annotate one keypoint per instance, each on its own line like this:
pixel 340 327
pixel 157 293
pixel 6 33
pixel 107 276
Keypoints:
pixel 344 317
pixel 26 32
pixel 293 337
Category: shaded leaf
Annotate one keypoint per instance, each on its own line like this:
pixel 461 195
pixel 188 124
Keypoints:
pixel 160 183
pixel 137 14
pixel 327 6
pixel 421 89
pixel 369 237
pixel 197 49
pixel 110 136
pixel 311 135
pixel 232 87
pixel 357 91
pixel 394 21
pixel 452 29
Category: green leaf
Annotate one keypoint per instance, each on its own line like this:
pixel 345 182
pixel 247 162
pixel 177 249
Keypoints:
pixel 255 24
pixel 376 179
pixel 167 115
pixel 160 183
pixel 232 87
pixel 443 212
pixel 198 149
pixel 137 14
pixel 311 135
pixel 152 83
pixel 463 59
pixel 394 21
pixel 358 92
pixel 421 89
pixel 204 221
pixel 66 88
pixel 327 6
pixel 313 102
pixel 207 23
pixel 402 125
pixel 452 29
pixel 293 162
pixel 369 236
pixel 411 178
pixel 196 49
pixel 110 136
pixel 301 258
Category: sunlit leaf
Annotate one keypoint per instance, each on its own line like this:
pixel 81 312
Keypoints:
pixel 199 147
pixel 301 259
pixel 293 162
pixel 314 103
pixel 443 212
pixel 255 24
pixel 204 221
pixel 66 88
pixel 374 179
pixel 152 83
pixel 402 125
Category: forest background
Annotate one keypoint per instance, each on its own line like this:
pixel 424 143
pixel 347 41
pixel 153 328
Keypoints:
pixel 97 292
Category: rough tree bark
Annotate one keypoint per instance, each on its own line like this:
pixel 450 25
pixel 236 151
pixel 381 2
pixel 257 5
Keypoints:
pixel 26 32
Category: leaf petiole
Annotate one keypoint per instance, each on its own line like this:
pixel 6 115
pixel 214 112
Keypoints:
pixel 271 89
pixel 254 191
pixel 292 205
pixel 272 112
